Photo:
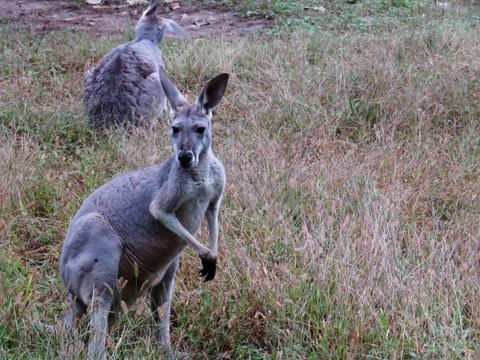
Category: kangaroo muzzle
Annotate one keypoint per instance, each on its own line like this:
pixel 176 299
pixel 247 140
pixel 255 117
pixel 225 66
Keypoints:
pixel 185 158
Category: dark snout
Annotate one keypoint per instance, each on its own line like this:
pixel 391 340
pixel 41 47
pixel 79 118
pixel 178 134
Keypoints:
pixel 185 158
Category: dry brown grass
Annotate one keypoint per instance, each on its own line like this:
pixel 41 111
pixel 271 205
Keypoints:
pixel 351 221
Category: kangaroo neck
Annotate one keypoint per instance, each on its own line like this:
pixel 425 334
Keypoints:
pixel 147 40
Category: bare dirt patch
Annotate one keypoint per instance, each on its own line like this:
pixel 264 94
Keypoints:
pixel 117 16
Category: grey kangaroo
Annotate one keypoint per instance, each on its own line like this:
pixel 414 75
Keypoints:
pixel 135 226
pixel 125 85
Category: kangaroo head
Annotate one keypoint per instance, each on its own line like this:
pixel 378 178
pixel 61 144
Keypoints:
pixel 191 123
pixel 150 26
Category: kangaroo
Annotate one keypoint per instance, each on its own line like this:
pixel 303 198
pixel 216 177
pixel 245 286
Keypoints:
pixel 125 85
pixel 135 226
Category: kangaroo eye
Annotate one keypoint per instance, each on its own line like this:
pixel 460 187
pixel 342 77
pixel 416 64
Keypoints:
pixel 200 130
pixel 175 130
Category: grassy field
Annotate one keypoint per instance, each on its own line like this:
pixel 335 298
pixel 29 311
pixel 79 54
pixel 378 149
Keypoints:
pixel 350 227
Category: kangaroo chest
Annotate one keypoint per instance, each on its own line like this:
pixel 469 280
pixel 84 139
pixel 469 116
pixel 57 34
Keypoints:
pixel 197 198
pixel 154 247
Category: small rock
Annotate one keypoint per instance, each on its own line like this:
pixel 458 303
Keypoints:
pixel 201 23
pixel 136 2
pixel 316 8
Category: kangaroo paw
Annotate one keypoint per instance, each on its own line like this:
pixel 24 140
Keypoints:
pixel 209 268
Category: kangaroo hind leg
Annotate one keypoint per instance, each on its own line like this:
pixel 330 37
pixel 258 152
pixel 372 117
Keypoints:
pixel 90 268
pixel 161 298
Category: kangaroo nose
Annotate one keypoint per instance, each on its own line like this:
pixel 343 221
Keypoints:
pixel 185 157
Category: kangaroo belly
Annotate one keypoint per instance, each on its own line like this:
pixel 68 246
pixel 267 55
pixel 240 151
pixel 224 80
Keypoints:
pixel 144 262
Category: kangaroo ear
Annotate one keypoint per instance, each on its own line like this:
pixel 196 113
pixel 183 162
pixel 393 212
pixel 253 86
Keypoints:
pixel 152 8
pixel 173 95
pixel 212 93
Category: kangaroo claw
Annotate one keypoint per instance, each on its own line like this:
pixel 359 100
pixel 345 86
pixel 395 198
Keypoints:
pixel 209 269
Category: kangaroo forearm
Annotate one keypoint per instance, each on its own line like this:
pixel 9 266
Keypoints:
pixel 170 221
pixel 213 237
pixel 212 219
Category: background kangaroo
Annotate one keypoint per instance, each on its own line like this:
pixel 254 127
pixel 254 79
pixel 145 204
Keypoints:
pixel 135 226
pixel 125 85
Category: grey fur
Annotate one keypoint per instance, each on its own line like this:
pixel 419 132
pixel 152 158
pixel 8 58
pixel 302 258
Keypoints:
pixel 135 226
pixel 125 85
